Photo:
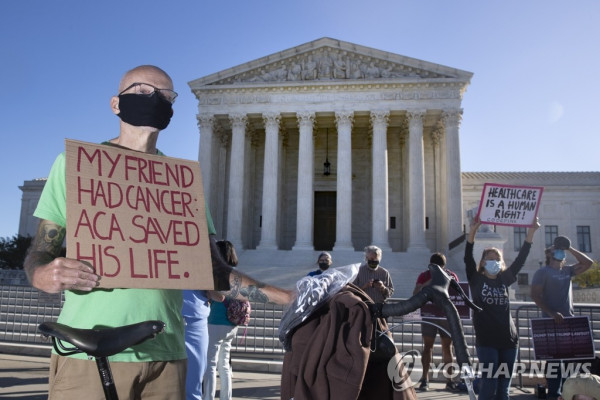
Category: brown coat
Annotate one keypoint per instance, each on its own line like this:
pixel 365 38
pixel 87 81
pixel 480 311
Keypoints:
pixel 330 355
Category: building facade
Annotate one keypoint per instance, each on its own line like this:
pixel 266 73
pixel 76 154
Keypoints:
pixel 387 125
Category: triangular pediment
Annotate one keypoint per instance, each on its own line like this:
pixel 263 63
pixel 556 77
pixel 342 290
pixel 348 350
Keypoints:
pixel 329 60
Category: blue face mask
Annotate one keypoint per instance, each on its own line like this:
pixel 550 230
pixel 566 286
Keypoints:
pixel 559 255
pixel 492 267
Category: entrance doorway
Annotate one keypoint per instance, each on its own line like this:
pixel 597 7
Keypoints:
pixel 324 223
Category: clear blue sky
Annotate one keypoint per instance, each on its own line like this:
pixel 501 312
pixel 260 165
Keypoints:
pixel 531 106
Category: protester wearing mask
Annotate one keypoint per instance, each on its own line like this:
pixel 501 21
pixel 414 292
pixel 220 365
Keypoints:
pixel 551 291
pixel 142 104
pixel 373 278
pixel 155 368
pixel 496 337
pixel 324 262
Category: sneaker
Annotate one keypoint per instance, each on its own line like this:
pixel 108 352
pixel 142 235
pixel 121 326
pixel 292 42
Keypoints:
pixel 424 386
pixel 452 386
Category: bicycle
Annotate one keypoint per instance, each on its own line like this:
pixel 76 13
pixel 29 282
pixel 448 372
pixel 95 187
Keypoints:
pixel 100 344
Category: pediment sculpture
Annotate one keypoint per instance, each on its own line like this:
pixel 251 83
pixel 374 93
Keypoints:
pixel 329 64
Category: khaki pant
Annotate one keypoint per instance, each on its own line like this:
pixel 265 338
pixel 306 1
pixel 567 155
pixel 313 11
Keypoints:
pixel 73 379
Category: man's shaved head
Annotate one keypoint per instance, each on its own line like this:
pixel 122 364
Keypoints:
pixel 147 74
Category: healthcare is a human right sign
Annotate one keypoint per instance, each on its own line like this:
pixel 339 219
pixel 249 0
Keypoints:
pixel 509 205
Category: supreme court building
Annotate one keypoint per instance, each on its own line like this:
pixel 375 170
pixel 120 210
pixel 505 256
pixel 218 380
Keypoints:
pixel 333 146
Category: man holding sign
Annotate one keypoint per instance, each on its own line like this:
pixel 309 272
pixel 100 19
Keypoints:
pixel 155 369
pixel 552 292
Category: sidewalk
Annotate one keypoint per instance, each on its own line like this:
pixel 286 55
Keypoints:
pixel 25 377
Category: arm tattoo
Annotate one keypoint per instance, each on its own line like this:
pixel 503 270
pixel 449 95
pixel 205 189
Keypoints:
pixel 236 284
pixel 251 292
pixel 46 246
pixel 49 238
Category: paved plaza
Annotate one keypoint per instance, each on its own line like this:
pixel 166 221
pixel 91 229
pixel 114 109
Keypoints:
pixel 26 377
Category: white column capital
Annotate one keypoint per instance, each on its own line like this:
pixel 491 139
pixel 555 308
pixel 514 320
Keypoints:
pixel 344 118
pixel 306 119
pixel 415 115
pixel 453 116
pixel 205 121
pixel 271 119
pixel 380 117
pixel 238 120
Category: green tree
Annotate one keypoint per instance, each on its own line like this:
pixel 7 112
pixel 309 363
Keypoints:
pixel 590 278
pixel 13 251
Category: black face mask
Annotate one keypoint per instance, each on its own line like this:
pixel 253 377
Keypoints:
pixel 142 110
pixel 323 265
pixel 373 263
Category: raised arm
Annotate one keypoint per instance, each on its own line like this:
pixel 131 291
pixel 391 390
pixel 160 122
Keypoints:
pixel 475 224
pixel 50 273
pixel 583 261
pixel 518 263
pixel 470 264
pixel 242 286
pixel 532 229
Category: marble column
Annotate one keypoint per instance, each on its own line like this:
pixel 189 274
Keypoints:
pixel 416 182
pixel 268 233
pixel 343 221
pixel 437 216
pixel 380 206
pixel 205 125
pixel 222 140
pixel 453 193
pixel 235 203
pixel 305 196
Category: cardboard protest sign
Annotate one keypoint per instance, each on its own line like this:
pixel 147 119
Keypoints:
pixel 570 340
pixel 509 205
pixel 430 310
pixel 138 219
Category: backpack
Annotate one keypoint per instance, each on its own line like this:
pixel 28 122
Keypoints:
pixel 238 311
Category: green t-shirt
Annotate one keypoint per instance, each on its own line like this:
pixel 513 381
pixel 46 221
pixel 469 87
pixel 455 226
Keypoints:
pixel 117 307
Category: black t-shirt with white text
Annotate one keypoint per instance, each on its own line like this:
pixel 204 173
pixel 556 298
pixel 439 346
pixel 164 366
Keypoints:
pixel 494 326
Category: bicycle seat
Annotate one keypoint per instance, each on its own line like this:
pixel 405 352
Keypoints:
pixel 102 342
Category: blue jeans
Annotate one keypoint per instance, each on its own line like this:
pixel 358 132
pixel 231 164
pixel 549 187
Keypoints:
pixel 496 366
pixel 196 345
